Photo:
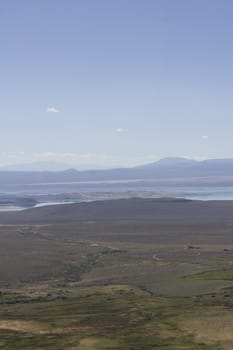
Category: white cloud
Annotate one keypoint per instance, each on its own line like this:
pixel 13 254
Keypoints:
pixel 119 130
pixel 205 137
pixel 52 110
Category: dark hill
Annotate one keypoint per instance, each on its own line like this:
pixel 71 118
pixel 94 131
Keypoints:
pixel 169 210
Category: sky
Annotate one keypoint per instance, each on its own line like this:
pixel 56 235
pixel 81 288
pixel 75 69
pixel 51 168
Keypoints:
pixel 115 83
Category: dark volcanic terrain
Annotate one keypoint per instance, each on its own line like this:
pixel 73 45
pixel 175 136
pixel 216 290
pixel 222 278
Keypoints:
pixel 167 210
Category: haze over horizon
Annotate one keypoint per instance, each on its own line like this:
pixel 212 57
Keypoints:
pixel 115 83
pixel 173 163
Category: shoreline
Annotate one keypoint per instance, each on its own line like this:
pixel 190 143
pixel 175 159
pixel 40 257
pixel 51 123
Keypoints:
pixel 16 203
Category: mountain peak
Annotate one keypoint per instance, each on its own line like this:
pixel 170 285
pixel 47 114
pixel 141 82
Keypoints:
pixel 170 162
pixel 175 161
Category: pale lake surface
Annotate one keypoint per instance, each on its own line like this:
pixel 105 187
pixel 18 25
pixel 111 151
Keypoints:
pixel 188 192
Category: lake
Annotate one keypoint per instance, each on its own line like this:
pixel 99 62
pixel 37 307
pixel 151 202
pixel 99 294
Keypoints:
pixel 188 192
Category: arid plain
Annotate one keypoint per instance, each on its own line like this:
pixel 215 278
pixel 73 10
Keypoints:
pixel 118 274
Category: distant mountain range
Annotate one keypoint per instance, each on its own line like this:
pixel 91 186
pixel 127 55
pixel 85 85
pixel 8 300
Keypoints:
pixel 166 170
pixel 36 166
pixel 46 166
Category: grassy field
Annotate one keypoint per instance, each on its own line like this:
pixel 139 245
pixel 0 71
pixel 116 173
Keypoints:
pixel 114 317
pixel 226 275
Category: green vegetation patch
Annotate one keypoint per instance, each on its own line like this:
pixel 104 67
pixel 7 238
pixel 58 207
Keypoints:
pixel 108 317
pixel 212 275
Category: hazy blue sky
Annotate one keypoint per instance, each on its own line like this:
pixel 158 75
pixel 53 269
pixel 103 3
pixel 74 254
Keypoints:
pixel 115 81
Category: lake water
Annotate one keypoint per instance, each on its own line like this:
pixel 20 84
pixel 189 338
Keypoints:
pixel 189 192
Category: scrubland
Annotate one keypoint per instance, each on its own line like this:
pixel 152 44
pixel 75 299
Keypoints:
pixel 158 280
